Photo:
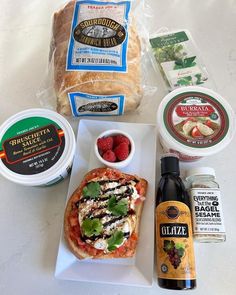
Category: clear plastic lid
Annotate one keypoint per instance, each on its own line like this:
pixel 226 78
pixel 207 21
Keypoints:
pixel 196 121
pixel 36 146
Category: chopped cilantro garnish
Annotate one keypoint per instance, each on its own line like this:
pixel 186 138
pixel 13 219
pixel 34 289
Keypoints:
pixel 115 240
pixel 91 190
pixel 92 227
pixel 118 208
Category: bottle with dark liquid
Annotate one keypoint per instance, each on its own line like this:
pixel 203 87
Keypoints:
pixel 174 241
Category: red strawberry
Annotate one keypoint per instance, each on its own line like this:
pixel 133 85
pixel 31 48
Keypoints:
pixel 122 151
pixel 105 143
pixel 109 156
pixel 119 139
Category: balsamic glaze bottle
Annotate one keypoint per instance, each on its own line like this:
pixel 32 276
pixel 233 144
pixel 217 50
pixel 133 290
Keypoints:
pixel 174 241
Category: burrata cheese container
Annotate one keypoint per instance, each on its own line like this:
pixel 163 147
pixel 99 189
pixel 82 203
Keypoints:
pixel 37 147
pixel 195 122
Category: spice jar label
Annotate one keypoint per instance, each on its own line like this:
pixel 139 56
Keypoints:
pixel 207 211
pixel 174 241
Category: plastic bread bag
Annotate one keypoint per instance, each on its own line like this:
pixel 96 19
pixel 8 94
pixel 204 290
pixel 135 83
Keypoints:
pixel 175 54
pixel 96 60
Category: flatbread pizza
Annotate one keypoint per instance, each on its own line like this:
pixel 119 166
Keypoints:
pixel 102 216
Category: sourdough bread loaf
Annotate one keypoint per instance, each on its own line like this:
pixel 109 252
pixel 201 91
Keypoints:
pixel 95 83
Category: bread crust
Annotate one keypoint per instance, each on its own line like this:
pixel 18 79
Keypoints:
pixel 71 225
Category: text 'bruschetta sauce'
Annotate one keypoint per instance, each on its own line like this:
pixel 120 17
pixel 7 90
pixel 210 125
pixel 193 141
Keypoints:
pixel 174 242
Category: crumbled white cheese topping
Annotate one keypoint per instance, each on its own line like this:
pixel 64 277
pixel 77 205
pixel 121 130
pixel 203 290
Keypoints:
pixel 126 227
pixel 100 244
pixel 135 194
pixel 109 185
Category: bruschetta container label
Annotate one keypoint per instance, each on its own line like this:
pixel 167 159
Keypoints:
pixel 99 37
pixel 195 122
pixel 36 147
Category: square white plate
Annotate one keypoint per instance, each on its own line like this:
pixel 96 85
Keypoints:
pixel 137 271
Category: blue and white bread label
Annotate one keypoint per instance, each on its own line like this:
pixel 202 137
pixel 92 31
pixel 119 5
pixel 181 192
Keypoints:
pixel 84 104
pixel 99 37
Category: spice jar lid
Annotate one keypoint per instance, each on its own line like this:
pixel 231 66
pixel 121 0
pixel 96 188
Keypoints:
pixel 200 171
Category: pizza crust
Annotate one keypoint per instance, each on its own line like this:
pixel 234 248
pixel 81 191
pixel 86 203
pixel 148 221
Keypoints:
pixel 131 242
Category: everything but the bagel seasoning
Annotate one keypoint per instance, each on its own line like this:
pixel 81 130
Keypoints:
pixel 207 215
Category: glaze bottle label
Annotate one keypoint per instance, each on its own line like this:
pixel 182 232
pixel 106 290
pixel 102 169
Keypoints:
pixel 175 257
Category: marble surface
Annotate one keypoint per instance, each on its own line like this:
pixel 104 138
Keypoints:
pixel 31 218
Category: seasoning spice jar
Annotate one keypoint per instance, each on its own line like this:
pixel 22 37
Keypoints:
pixel 206 205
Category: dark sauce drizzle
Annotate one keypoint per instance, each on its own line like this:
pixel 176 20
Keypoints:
pixel 95 238
pixel 92 214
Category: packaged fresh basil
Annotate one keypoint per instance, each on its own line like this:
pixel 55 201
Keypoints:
pixel 177 57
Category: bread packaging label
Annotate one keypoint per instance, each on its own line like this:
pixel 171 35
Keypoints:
pixel 87 104
pixel 175 243
pixel 99 38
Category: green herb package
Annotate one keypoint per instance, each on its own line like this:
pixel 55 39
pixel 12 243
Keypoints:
pixel 177 57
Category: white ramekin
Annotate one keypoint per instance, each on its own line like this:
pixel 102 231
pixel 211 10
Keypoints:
pixel 116 165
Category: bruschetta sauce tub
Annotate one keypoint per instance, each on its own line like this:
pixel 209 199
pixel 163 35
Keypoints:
pixel 37 147
pixel 195 122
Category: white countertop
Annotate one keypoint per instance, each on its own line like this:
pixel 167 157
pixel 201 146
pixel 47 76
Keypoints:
pixel 31 218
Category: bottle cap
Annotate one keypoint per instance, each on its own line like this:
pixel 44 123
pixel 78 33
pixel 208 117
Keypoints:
pixel 169 164
pixel 200 171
